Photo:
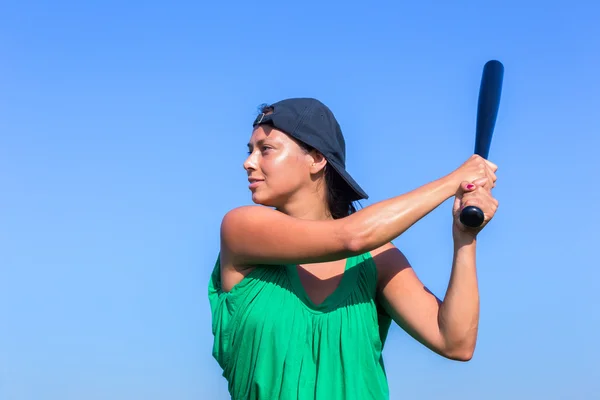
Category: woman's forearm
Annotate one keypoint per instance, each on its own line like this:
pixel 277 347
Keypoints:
pixel 459 312
pixel 382 222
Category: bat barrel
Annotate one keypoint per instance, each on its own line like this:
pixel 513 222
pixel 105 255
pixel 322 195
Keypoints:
pixel 490 92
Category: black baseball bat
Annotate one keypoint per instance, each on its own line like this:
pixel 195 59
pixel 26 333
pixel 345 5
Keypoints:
pixel 490 91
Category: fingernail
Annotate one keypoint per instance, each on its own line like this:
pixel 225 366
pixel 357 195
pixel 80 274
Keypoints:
pixel 470 186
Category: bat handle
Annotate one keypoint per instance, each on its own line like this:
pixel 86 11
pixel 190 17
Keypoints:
pixel 471 216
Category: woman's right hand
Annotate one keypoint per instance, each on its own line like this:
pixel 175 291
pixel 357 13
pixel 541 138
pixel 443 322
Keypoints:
pixel 476 167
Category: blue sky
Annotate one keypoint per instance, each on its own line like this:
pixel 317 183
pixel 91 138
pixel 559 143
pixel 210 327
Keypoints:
pixel 123 132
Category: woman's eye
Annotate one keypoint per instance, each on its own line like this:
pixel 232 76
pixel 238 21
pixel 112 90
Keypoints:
pixel 262 150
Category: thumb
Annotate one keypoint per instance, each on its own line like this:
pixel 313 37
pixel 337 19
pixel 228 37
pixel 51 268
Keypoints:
pixel 468 186
pixel 465 187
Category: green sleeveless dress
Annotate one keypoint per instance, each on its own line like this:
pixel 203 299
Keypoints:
pixel 273 342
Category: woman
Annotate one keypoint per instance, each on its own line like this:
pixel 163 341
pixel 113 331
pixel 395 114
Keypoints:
pixel 304 291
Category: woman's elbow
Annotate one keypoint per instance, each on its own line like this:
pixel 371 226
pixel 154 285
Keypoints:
pixel 463 353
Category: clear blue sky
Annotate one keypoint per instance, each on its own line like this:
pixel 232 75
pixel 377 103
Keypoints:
pixel 123 132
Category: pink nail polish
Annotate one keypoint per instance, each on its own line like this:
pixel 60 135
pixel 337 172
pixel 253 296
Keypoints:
pixel 470 186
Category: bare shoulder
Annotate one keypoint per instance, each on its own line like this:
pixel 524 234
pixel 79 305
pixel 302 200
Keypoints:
pixel 242 213
pixel 390 261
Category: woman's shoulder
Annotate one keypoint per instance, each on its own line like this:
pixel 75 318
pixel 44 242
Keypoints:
pixel 389 260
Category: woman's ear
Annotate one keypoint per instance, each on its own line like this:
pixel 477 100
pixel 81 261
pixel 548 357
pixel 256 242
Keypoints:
pixel 318 162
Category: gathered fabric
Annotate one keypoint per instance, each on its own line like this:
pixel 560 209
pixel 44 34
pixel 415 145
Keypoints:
pixel 273 342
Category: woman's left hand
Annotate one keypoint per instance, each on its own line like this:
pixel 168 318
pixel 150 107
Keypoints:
pixel 479 194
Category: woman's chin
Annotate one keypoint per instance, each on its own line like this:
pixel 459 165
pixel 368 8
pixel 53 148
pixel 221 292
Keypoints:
pixel 262 200
pixel 258 199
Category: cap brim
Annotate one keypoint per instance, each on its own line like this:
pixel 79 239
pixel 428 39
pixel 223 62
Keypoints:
pixel 359 192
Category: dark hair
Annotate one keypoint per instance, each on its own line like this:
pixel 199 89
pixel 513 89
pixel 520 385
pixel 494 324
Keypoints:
pixel 340 197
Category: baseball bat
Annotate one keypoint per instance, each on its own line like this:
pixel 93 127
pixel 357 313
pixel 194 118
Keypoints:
pixel 490 91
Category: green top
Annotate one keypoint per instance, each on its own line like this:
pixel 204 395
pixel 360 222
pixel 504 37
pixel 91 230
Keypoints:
pixel 273 342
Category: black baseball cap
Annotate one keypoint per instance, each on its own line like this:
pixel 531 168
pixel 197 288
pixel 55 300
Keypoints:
pixel 312 122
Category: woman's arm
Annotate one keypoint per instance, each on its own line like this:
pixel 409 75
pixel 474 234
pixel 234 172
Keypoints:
pixel 459 312
pixel 258 235
pixel 448 327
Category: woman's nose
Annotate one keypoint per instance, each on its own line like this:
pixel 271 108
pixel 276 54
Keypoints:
pixel 250 162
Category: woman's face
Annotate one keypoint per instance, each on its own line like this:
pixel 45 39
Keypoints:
pixel 277 166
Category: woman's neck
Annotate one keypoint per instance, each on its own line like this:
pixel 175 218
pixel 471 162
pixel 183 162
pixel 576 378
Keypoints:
pixel 311 208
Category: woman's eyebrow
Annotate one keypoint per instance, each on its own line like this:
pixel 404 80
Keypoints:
pixel 259 142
